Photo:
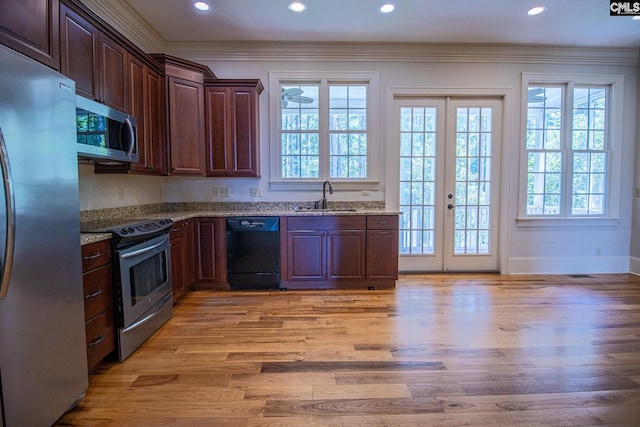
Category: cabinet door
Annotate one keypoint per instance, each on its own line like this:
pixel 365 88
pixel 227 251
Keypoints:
pixel 177 266
pixel 146 105
pixel 186 127
pixel 211 258
pixel 113 65
pixel 78 52
pixel 232 131
pixel 346 254
pixel 137 94
pixel 190 251
pixel 217 131
pixel 32 28
pixel 244 140
pixel 306 255
pixel 155 122
pixel 382 254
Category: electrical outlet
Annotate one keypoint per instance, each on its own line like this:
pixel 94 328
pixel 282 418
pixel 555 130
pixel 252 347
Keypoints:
pixel 120 193
pixel 215 192
pixel 366 193
pixel 160 192
pixel 598 252
pixel 224 192
pixel 255 192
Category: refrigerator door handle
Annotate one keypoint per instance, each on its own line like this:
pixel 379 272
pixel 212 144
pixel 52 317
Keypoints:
pixel 7 262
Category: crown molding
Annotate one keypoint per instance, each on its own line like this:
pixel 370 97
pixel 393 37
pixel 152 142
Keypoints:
pixel 129 23
pixel 403 52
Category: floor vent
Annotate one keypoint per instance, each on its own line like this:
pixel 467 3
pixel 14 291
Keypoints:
pixel 580 276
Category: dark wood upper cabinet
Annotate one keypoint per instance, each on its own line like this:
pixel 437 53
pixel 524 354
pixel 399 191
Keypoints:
pixel 146 103
pixel 97 63
pixel 78 50
pixel 113 80
pixel 32 28
pixel 232 122
pixel 184 85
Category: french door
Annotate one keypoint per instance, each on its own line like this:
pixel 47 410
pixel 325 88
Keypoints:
pixel 448 183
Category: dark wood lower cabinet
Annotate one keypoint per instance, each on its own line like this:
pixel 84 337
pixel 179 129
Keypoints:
pixel 182 259
pixel 211 243
pixel 346 257
pixel 97 282
pixel 305 255
pixel 339 252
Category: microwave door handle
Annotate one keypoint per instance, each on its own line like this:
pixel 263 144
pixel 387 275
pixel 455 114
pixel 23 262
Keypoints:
pixel 132 137
pixel 7 263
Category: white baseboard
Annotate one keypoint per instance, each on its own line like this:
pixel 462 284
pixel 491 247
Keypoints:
pixel 571 265
pixel 634 265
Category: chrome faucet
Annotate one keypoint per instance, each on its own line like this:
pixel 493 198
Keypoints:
pixel 322 204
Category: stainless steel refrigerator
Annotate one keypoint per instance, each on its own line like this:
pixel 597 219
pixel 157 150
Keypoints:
pixel 43 362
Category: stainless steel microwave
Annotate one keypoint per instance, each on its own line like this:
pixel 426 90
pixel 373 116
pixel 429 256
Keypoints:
pixel 105 134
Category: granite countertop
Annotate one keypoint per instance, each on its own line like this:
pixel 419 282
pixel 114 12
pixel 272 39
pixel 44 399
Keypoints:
pixel 180 215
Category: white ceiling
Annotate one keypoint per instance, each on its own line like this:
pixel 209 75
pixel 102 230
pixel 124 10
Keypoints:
pixel 565 22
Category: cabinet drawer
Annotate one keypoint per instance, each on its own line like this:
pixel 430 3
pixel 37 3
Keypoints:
pixel 382 222
pixel 326 222
pixel 96 254
pixel 100 338
pixel 98 291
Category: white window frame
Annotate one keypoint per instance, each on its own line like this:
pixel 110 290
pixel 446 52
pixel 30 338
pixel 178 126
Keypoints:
pixel 371 79
pixel 612 208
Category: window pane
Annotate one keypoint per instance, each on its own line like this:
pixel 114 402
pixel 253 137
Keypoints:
pixel 544 183
pixel 544 117
pixel 417 179
pixel 589 117
pixel 589 184
pixel 300 155
pixel 348 125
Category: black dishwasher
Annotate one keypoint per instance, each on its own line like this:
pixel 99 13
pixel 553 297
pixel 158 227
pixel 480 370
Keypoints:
pixel 253 252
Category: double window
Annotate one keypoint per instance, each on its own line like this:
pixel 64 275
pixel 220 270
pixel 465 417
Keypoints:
pixel 569 145
pixel 323 128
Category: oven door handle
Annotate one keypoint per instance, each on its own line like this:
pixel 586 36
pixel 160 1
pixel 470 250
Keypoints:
pixel 166 300
pixel 144 250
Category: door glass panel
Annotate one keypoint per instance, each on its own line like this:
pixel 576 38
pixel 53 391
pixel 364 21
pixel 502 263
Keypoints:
pixel 473 185
pixel 417 179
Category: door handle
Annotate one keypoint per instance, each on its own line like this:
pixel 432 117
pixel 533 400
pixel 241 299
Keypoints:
pixel 132 138
pixel 7 263
pixel 450 206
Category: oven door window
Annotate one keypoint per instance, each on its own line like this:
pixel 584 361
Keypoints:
pixel 147 276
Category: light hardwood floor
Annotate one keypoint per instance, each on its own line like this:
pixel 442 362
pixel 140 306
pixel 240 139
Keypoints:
pixel 450 350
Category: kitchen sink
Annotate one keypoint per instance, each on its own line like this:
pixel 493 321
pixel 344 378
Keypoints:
pixel 328 210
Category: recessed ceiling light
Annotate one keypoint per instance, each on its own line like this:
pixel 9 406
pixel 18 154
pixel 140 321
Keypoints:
pixel 200 5
pixel 297 6
pixel 387 8
pixel 536 10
